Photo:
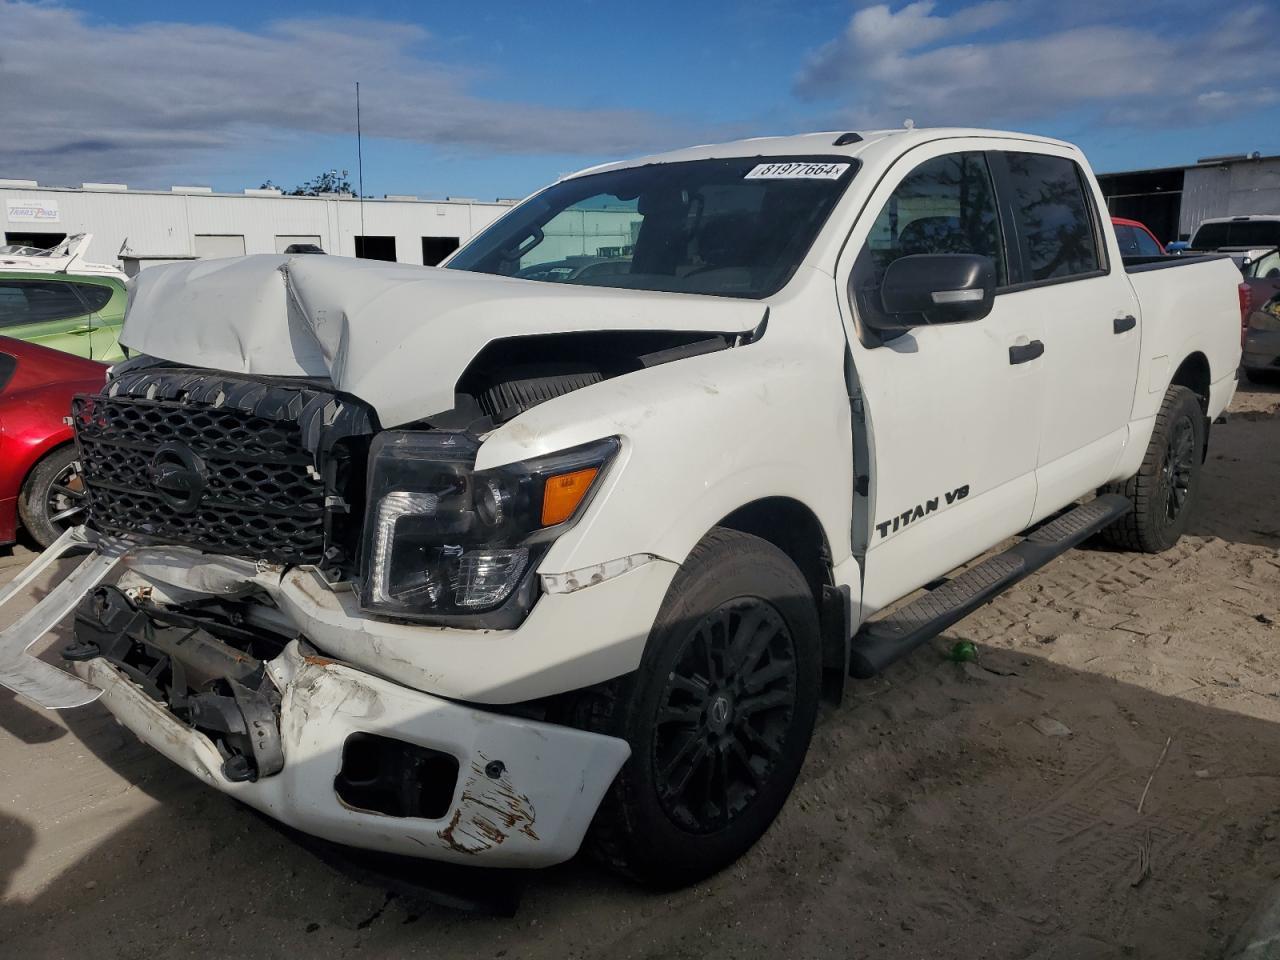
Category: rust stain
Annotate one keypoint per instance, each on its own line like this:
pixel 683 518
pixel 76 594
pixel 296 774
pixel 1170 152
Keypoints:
pixel 493 810
pixel 318 661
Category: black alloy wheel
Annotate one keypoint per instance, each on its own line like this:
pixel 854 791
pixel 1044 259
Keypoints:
pixel 718 714
pixel 725 715
pixel 1178 471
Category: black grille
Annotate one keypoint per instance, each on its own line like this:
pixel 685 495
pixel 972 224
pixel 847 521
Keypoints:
pixel 217 463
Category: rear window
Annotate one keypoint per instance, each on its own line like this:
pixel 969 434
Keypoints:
pixel 44 301
pixel 1237 233
pixel 731 228
pixel 1053 217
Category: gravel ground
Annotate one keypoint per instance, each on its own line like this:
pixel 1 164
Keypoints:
pixel 934 817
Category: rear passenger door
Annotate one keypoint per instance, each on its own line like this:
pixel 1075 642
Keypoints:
pixel 1064 271
pixel 45 311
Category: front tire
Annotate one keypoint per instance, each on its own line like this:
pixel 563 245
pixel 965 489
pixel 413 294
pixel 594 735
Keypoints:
pixel 53 496
pixel 1166 487
pixel 719 714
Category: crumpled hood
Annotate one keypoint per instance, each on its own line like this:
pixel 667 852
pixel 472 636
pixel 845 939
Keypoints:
pixel 395 335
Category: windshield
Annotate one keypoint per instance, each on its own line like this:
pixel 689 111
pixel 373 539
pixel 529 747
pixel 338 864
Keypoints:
pixel 1237 233
pixel 729 228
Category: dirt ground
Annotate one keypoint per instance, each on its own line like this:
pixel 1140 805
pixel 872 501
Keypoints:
pixel 933 817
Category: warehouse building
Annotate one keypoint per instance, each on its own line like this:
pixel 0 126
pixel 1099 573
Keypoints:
pixel 136 228
pixel 1173 200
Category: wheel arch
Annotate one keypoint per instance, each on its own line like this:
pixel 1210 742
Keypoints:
pixel 795 529
pixel 47 449
pixel 1194 374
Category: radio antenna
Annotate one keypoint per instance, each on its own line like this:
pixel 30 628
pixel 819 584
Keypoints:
pixel 359 159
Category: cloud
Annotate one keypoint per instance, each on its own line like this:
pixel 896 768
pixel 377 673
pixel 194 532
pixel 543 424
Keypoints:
pixel 963 68
pixel 83 98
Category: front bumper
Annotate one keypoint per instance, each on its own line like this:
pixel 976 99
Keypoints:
pixel 525 794
pixel 525 791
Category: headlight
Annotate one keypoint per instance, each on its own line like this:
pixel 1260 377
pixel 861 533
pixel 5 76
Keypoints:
pixel 443 539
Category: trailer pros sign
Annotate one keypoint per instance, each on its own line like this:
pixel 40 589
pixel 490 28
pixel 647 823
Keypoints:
pixel 32 211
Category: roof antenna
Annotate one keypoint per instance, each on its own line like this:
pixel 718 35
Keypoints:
pixel 359 159
pixel 908 124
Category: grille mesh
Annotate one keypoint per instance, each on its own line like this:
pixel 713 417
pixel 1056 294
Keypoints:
pixel 248 486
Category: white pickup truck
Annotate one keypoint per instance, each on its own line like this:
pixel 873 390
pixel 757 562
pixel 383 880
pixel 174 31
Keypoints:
pixel 451 563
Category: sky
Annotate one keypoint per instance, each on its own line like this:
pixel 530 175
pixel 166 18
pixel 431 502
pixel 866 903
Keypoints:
pixel 495 99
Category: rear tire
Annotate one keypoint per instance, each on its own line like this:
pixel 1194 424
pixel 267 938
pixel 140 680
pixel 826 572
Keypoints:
pixel 1166 487
pixel 53 496
pixel 1268 378
pixel 718 715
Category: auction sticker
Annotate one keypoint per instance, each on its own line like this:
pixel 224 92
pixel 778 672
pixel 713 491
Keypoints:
pixel 797 171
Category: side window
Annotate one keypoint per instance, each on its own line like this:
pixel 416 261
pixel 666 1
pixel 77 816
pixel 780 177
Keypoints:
pixel 94 295
pixel 1127 238
pixel 1052 215
pixel 1147 246
pixel 38 301
pixel 945 205
pixel 1268 268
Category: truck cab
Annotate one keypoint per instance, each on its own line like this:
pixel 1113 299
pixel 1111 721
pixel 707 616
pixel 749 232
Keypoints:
pixel 474 566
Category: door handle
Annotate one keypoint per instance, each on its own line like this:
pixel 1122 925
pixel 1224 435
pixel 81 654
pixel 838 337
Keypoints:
pixel 1024 352
pixel 1124 324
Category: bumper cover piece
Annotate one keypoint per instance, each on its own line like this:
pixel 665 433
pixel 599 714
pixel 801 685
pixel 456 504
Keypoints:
pixel 19 671
pixel 526 792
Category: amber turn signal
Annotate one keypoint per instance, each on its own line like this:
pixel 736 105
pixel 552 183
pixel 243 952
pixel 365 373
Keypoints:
pixel 563 493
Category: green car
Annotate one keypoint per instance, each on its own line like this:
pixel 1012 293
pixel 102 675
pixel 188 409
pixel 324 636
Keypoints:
pixel 61 302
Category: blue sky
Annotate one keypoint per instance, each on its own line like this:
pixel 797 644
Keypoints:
pixel 495 99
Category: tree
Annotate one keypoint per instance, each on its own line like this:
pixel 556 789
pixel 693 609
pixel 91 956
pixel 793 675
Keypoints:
pixel 328 181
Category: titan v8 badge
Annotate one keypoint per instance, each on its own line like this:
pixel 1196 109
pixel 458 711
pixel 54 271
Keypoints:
pixel 919 511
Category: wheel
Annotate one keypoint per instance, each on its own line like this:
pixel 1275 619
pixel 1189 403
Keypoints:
pixel 53 496
pixel 1165 488
pixel 1263 377
pixel 718 715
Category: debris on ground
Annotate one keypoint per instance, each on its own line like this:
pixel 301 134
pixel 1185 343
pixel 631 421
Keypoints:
pixel 1051 727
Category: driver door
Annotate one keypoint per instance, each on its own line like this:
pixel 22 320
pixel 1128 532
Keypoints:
pixel 952 410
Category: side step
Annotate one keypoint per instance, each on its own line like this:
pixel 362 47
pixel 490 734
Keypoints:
pixel 880 642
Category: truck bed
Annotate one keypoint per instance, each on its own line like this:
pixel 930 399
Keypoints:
pixel 1144 264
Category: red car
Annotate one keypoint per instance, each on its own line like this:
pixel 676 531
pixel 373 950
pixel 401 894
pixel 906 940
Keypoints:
pixel 39 478
pixel 1135 239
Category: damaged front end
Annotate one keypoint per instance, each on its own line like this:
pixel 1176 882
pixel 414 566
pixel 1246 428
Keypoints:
pixel 221 683
pixel 210 672
pixel 234 508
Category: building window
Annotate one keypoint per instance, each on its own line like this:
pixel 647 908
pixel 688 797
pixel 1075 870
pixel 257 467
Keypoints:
pixel 214 245
pixel 41 241
pixel 376 248
pixel 435 249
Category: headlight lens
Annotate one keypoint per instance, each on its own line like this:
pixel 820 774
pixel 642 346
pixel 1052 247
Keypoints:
pixel 444 540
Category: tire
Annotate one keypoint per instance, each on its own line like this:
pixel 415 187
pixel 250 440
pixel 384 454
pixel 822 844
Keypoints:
pixel 52 498
pixel 1166 487
pixel 707 777
pixel 1263 377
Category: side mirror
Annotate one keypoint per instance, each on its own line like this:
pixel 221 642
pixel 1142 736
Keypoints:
pixel 937 288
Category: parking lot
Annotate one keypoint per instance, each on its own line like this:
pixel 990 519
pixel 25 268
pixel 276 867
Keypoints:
pixel 940 812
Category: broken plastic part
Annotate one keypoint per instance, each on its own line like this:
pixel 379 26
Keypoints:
pixel 597 573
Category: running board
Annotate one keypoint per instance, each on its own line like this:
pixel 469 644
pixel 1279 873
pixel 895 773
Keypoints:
pixel 880 642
